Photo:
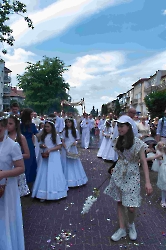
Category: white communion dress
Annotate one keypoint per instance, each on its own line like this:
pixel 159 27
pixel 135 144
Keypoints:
pixel 50 183
pixel 73 169
pixel 161 182
pixel 11 224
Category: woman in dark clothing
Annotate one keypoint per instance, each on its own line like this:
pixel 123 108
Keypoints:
pixel 28 129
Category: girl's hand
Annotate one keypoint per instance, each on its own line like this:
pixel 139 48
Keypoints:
pixel 148 188
pixel 48 150
pixel 75 143
pixel 1 175
pixel 43 146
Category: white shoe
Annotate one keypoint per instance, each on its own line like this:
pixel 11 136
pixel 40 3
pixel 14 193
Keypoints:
pixel 118 234
pixel 132 232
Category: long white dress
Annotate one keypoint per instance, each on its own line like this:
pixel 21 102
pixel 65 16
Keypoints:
pixel 73 169
pixel 161 181
pixel 86 127
pixel 107 131
pixel 11 224
pixel 50 183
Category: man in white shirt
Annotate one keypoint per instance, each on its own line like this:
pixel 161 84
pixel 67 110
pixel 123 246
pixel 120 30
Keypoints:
pixel 36 120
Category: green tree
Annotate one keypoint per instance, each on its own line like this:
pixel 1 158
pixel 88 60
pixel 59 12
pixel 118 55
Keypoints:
pixel 7 8
pixel 44 85
pixel 104 109
pixel 117 107
pixel 156 103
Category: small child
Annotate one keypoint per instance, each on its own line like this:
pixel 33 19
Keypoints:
pixel 73 169
pixel 160 161
pixel 50 183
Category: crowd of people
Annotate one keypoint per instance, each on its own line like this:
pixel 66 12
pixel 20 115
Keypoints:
pixel 41 159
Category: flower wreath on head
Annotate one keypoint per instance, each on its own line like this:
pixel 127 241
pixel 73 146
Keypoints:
pixel 49 121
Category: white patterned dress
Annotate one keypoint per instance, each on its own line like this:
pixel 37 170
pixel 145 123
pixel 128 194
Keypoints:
pixel 124 185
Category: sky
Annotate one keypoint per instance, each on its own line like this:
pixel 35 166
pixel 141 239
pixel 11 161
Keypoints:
pixel 110 44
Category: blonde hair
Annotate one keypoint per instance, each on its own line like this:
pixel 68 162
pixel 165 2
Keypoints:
pixel 163 147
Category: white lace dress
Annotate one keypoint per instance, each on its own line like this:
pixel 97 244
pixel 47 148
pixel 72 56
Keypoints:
pixel 125 181
pixel 161 181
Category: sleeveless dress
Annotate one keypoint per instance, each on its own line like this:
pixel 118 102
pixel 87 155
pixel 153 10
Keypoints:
pixel 11 229
pixel 124 184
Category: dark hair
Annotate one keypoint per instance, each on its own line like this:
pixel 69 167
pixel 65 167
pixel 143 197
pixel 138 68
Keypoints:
pixel 53 132
pixel 73 130
pixel 17 126
pixel 26 116
pixel 14 104
pixel 3 120
pixel 107 124
pixel 40 125
pixel 126 141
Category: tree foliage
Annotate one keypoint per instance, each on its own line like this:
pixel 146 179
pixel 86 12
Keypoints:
pixel 44 85
pixel 7 8
pixel 156 103
pixel 117 107
pixel 104 109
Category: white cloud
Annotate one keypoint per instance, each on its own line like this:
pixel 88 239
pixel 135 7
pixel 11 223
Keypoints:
pixel 16 60
pixel 101 77
pixel 164 12
pixel 57 17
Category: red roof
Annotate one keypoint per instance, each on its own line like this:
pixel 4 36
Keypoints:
pixel 14 92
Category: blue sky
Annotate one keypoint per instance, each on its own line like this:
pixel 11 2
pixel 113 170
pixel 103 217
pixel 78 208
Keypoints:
pixel 109 43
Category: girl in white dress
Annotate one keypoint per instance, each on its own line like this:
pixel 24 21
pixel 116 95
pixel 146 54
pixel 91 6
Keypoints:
pixel 11 166
pixel 106 150
pixel 73 169
pixel 13 127
pixel 160 158
pixel 50 183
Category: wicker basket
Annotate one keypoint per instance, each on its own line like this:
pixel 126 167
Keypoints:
pixel 72 155
pixel 45 155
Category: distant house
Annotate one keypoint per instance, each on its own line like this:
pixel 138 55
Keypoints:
pixel 15 94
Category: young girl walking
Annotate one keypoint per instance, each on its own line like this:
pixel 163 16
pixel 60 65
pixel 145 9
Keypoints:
pixel 73 169
pixel 124 186
pixel 106 150
pixel 13 127
pixel 11 166
pixel 106 133
pixel 50 183
pixel 160 166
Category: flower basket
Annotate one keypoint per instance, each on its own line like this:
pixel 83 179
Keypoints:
pixel 45 155
pixel 72 155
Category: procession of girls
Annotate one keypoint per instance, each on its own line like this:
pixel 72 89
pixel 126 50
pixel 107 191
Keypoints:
pixel 51 176
pixel 55 166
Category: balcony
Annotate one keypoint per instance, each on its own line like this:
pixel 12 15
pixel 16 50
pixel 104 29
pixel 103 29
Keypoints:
pixel 150 89
pixel 7 79
pixel 134 101
pixel 6 101
pixel 6 89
